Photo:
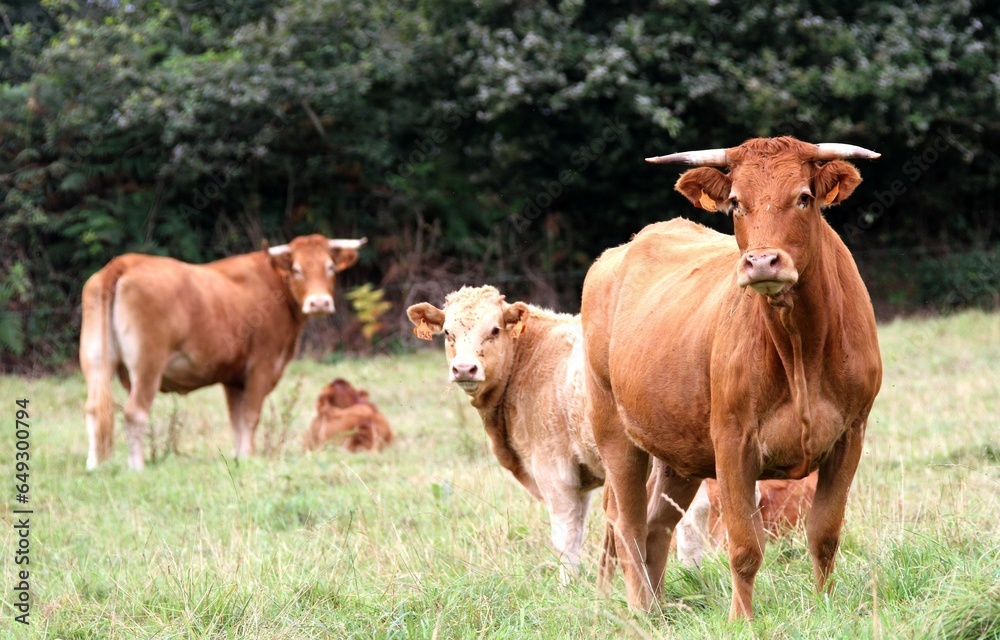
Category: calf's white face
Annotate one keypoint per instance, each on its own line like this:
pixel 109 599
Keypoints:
pixel 479 329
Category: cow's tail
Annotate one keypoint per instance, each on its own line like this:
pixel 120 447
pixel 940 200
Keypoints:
pixel 99 359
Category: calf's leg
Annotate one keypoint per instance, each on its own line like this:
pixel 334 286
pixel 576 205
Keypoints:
pixel 567 507
pixel 692 530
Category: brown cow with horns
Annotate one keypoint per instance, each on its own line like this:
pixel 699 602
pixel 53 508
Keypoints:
pixel 165 325
pixel 737 360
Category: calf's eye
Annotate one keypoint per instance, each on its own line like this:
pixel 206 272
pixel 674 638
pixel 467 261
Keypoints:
pixel 495 332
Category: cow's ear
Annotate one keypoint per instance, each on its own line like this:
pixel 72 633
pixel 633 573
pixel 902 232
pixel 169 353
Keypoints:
pixel 343 258
pixel 705 187
pixel 281 257
pixel 428 320
pixel 835 181
pixel 515 318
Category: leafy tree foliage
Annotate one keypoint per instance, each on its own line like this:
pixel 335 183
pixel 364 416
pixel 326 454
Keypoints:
pixel 499 141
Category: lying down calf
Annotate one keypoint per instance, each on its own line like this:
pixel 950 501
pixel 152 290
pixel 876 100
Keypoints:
pixel 782 504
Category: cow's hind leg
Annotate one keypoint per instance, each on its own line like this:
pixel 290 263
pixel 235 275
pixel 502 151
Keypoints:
pixel 827 513
pixel 668 497
pixel 609 554
pixel 626 467
pixel 145 378
pixel 737 469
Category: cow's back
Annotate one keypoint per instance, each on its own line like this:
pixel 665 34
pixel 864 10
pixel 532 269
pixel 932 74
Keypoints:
pixel 202 319
pixel 650 309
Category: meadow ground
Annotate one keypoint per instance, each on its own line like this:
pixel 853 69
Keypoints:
pixel 431 539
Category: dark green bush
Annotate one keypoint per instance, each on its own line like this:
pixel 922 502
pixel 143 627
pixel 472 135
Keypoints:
pixel 498 141
pixel 960 281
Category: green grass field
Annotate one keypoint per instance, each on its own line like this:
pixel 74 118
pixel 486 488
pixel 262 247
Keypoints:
pixel 431 539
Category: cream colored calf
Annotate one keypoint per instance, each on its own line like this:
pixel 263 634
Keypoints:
pixel 522 368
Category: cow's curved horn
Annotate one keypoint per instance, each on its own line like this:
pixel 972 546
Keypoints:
pixel 347 244
pixel 280 250
pixel 705 157
pixel 838 151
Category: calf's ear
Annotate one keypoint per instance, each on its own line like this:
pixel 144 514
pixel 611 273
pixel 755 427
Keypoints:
pixel 515 317
pixel 835 181
pixel 705 187
pixel 428 320
pixel 343 258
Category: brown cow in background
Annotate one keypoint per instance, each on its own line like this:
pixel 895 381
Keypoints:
pixel 165 325
pixel 344 413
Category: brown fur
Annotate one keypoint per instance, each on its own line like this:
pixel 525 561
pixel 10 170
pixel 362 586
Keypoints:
pixel 346 415
pixel 718 381
pixel 164 325
pixel 783 503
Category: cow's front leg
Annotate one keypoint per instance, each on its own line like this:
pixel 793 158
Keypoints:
pixel 234 402
pixel 827 513
pixel 737 468
pixel 668 497
pixel 257 389
pixel 567 505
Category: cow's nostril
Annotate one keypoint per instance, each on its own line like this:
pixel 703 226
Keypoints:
pixel 774 260
pixel 473 369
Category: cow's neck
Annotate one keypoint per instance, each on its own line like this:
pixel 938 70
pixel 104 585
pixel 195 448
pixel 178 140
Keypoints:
pixel 800 325
pixel 275 299
pixel 496 408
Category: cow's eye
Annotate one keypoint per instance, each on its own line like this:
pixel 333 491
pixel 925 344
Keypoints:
pixel 804 200
pixel 297 271
pixel 331 269
pixel 447 334
pixel 734 203
pixel 495 332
